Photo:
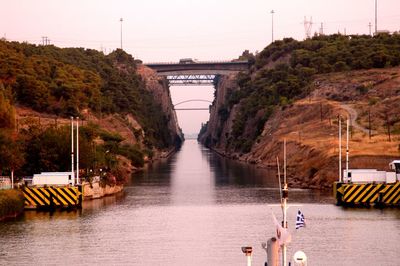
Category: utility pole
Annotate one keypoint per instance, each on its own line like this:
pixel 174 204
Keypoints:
pixel 376 17
pixel 121 20
pixel 369 123
pixel 369 26
pixel 272 15
pixel 321 30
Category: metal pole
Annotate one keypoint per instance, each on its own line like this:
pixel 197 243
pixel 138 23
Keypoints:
pixel 12 179
pixel 376 17
pixel 77 150
pixel 369 26
pixel 369 123
pixel 347 150
pixel 272 15
pixel 284 248
pixel 284 204
pixel 340 149
pixel 284 161
pixel 121 31
pixel 72 150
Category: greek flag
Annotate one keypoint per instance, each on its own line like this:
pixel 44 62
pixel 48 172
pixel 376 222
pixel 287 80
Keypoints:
pixel 300 221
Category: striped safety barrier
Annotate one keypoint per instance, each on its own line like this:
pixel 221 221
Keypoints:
pixel 367 194
pixel 53 197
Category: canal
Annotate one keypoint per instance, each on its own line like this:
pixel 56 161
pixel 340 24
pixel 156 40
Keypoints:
pixel 197 208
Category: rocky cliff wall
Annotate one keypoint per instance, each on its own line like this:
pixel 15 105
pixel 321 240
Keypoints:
pixel 310 126
pixel 159 88
pixel 217 127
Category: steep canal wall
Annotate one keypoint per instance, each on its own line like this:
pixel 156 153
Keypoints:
pixel 284 96
pixel 11 203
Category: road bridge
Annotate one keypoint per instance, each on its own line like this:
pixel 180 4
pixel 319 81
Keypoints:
pixel 191 72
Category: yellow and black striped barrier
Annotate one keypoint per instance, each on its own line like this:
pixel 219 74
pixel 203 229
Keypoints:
pixel 368 194
pixel 53 197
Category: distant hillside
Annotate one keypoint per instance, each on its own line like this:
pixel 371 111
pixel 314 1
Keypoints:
pixel 122 113
pixel 295 90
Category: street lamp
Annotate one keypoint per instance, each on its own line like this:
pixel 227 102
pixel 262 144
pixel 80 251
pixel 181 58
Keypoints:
pixel 376 17
pixel 121 20
pixel 272 15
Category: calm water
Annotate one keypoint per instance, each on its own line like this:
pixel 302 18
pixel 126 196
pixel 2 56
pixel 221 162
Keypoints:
pixel 198 209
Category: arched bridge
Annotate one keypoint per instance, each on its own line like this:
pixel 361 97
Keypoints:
pixel 192 109
pixel 191 72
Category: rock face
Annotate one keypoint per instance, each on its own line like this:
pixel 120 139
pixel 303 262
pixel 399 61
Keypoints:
pixel 159 88
pixel 217 129
pixel 310 126
pixel 95 191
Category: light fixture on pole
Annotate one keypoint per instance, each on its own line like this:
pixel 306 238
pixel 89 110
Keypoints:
pixel 121 20
pixel 376 17
pixel 272 16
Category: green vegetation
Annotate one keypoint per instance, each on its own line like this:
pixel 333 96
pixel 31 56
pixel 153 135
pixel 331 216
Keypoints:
pixel 11 203
pixel 67 81
pixel 283 71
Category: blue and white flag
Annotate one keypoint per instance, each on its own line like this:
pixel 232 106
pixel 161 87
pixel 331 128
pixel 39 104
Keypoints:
pixel 300 221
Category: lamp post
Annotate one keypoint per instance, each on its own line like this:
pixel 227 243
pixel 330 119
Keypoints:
pixel 272 16
pixel 376 17
pixel 121 20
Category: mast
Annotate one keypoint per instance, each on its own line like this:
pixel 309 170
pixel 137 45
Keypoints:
pixel 284 161
pixel 72 150
pixel 285 195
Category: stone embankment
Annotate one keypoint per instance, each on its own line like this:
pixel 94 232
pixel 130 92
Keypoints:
pixel 94 190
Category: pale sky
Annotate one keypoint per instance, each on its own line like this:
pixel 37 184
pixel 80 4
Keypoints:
pixel 167 30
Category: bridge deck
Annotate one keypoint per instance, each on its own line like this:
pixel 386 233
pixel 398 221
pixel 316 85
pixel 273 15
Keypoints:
pixel 210 67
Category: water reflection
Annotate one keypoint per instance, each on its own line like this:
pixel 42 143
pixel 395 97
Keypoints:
pixel 230 172
pixel 192 181
pixel 197 208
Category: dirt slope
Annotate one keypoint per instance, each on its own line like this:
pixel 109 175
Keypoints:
pixel 310 127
